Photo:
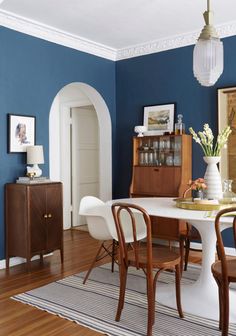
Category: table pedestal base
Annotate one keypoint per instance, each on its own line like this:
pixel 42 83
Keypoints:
pixel 195 301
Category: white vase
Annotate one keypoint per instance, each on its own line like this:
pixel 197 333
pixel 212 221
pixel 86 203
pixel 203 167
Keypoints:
pixel 213 178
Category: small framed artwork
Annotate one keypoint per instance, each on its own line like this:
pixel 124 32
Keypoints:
pixel 21 132
pixel 159 119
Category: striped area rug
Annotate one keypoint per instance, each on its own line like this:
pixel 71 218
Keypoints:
pixel 94 305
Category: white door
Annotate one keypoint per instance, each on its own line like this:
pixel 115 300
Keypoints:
pixel 84 158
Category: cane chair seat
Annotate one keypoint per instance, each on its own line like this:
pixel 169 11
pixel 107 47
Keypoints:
pixel 161 257
pixel 231 269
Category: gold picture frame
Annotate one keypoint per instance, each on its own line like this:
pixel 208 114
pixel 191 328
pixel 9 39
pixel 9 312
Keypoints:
pixel 227 116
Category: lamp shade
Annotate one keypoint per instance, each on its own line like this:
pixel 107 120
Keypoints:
pixel 208 53
pixel 208 60
pixel 35 154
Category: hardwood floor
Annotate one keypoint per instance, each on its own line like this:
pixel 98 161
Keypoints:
pixel 17 319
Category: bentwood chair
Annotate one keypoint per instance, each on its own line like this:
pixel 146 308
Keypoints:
pixel 224 270
pixel 93 209
pixel 144 256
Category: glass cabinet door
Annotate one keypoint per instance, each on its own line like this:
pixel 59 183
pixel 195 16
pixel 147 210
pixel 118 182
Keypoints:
pixel 160 151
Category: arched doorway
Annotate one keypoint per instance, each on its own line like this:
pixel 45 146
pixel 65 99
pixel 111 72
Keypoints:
pixel 76 95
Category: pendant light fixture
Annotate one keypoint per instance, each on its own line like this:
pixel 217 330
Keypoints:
pixel 208 53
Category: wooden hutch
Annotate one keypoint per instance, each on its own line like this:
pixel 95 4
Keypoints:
pixel 162 167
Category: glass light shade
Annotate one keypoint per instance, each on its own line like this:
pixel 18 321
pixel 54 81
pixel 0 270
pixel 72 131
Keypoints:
pixel 208 60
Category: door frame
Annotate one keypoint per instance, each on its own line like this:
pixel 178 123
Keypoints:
pixel 105 143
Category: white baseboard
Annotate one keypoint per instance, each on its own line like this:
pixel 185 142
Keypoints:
pixel 17 261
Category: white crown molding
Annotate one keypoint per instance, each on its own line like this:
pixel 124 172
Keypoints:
pixel 172 42
pixel 54 35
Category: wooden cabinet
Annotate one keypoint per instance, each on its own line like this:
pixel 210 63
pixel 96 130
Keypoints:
pixel 34 220
pixel 162 167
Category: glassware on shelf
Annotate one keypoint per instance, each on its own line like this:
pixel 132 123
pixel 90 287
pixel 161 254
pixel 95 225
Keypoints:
pixel 161 158
pixel 141 158
pixel 150 158
pixel 228 195
pixel 146 158
pixel 177 160
pixel 155 144
pixel 169 160
pixel 179 126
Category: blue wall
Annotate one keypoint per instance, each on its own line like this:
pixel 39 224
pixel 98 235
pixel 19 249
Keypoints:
pixel 159 79
pixel 32 71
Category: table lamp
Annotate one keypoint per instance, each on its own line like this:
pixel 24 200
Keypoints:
pixel 35 157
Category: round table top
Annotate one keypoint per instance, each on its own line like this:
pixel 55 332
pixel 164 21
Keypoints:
pixel 166 207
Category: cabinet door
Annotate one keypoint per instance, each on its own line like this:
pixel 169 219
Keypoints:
pixel 37 209
pixel 54 216
pixel 143 180
pixel 156 181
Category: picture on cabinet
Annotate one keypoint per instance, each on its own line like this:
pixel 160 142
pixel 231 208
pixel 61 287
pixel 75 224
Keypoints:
pixel 159 119
pixel 21 132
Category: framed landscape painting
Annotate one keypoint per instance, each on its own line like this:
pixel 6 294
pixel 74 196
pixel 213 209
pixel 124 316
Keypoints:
pixel 21 132
pixel 159 119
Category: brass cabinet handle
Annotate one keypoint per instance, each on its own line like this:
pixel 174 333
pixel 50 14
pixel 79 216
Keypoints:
pixel 49 215
pixel 45 216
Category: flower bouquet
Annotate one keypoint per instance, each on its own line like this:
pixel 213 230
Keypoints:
pixel 211 151
pixel 206 140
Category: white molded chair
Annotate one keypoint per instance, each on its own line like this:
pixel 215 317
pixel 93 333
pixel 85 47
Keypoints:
pixel 94 210
pixel 101 226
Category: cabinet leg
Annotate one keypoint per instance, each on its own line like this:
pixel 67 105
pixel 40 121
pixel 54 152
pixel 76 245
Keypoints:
pixel 41 258
pixel 28 260
pixel 62 255
pixel 7 262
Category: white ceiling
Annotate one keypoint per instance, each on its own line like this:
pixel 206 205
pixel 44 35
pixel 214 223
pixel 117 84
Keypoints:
pixel 116 25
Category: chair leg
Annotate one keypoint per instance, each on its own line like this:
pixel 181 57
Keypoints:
pixel 93 263
pixel 181 248
pixel 220 302
pixel 177 288
pixel 123 277
pixel 151 304
pixel 113 254
pixel 187 248
pixel 225 309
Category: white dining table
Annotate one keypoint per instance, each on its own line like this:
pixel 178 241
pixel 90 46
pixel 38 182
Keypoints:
pixel 201 297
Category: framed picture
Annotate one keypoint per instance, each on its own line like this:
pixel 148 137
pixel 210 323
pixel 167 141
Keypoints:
pixel 21 132
pixel 159 119
pixel 227 117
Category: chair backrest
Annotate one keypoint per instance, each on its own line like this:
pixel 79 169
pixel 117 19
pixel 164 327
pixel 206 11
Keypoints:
pixel 139 223
pixel 89 202
pixel 96 212
pixel 221 250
